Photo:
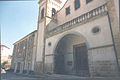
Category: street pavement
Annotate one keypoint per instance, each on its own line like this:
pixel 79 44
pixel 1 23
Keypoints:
pixel 13 76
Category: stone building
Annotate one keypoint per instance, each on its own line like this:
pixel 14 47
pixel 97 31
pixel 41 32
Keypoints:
pixel 81 38
pixel 24 53
pixel 5 56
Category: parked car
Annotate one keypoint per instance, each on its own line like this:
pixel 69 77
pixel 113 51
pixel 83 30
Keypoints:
pixel 3 71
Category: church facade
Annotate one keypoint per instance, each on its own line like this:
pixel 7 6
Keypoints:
pixel 82 38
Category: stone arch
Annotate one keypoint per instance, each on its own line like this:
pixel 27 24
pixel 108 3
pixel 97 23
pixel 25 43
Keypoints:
pixel 73 32
pixel 63 53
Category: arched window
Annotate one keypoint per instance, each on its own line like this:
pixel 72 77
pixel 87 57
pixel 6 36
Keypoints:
pixel 77 4
pixel 42 13
pixel 53 12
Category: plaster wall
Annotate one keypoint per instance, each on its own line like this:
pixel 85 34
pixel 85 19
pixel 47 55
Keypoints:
pixel 40 42
pixel 85 31
pixel 99 44
pixel 34 51
pixel 84 8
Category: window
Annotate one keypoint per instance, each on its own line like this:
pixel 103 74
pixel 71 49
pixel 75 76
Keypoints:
pixel 18 48
pixel 53 12
pixel 67 10
pixel 24 45
pixel 77 4
pixel 42 13
pixel 87 1
pixel 30 40
pixel 49 44
pixel 95 30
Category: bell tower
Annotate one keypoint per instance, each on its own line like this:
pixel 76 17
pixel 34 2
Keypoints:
pixel 47 10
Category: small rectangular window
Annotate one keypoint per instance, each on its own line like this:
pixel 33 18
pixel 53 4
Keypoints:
pixel 87 1
pixel 77 4
pixel 67 10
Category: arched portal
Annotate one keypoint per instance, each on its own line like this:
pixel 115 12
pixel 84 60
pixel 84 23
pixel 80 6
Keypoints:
pixel 71 56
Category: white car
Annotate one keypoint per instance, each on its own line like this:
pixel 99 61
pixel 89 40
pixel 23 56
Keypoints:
pixel 3 71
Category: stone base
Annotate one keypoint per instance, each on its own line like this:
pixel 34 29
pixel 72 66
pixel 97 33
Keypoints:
pixel 104 69
pixel 38 68
pixel 48 68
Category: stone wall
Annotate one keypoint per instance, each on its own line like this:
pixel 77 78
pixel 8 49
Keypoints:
pixel 114 26
pixel 49 67
pixel 38 68
pixel 100 46
pixel 62 17
pixel 101 52
pixel 102 62
pixel 117 45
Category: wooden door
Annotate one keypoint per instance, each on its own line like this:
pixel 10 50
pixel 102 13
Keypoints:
pixel 81 60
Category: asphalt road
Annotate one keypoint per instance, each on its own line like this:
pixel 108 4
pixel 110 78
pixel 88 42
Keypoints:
pixel 13 76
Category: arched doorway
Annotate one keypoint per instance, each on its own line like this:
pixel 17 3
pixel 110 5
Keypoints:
pixel 71 56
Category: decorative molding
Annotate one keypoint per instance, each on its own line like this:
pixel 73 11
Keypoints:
pixel 101 47
pixel 49 55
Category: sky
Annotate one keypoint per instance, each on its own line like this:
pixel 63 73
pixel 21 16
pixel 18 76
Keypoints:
pixel 17 19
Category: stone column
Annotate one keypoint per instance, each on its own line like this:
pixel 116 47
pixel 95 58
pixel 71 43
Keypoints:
pixel 21 68
pixel 28 68
pixel 15 68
